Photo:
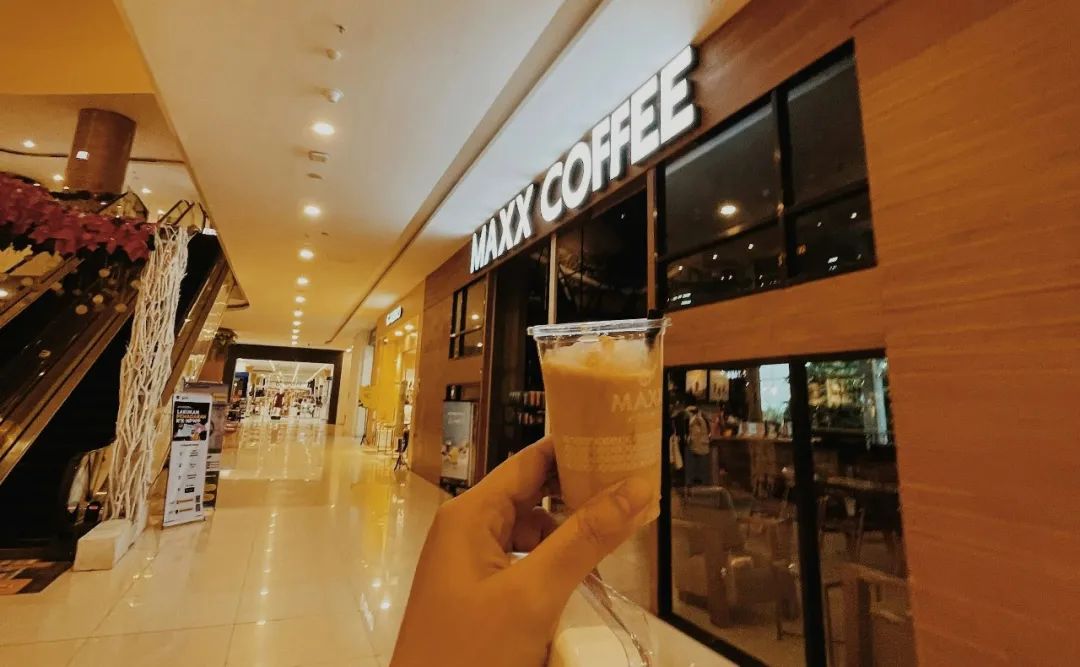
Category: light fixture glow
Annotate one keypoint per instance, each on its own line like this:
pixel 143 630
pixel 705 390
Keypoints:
pixel 312 211
pixel 475 316
pixel 295 331
pixel 750 247
pixel 398 333
pixel 728 210
pixel 300 299
pixel 307 253
pixel 28 143
pixel 302 280
pixel 297 313
pixel 82 155
pixel 4 293
pixel 146 190
pixel 409 327
pixel 296 323
pixel 854 214
pixel 58 178
pixel 322 128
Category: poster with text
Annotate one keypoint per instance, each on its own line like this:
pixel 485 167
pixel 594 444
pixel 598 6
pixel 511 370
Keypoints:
pixel 187 459
pixel 220 393
pixel 458 418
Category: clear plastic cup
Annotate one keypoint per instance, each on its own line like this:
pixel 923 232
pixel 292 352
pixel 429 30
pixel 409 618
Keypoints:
pixel 604 395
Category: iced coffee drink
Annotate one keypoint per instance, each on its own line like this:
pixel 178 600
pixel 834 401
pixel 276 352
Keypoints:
pixel 602 382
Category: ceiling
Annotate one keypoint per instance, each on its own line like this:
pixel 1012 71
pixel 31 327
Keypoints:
pixel 448 109
pixel 49 121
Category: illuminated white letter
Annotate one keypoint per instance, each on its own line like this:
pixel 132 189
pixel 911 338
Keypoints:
pixel 574 195
pixel 506 217
pixel 479 246
pixel 674 90
pixel 551 210
pixel 644 139
pixel 601 152
pixel 491 252
pixel 524 205
pixel 620 139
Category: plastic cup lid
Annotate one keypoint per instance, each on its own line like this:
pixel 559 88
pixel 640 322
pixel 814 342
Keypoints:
pixel 642 325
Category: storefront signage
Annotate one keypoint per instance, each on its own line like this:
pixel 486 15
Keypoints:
pixel 656 114
pixel 394 315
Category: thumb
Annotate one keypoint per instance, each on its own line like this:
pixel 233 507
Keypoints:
pixel 576 547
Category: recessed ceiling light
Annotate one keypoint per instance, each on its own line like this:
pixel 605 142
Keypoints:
pixel 312 211
pixel 58 178
pixel 750 247
pixel 297 313
pixel 307 253
pixel 728 210
pixel 295 343
pixel 82 155
pixel 161 211
pixel 322 128
pixel 28 143
pixel 4 293
pixel 348 349
pixel 146 191
pixel 296 323
pixel 409 327
pixel 300 298
pixel 295 331
pixel 302 280
pixel 398 333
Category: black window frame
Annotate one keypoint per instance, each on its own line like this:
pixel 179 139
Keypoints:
pixel 459 330
pixel 788 210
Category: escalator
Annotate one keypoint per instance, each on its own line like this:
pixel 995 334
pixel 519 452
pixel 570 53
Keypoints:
pixel 60 385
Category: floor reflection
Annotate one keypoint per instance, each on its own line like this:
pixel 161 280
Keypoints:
pixel 308 559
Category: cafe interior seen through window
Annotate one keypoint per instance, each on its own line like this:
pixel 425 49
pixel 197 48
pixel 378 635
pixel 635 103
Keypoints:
pixel 783 509
pixel 467 321
pixel 778 196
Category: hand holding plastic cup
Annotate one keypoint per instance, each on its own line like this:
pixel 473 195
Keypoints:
pixel 604 394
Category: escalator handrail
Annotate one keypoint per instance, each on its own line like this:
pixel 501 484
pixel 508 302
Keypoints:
pixel 10 308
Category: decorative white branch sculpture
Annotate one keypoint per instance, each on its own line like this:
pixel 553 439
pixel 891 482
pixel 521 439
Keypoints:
pixel 144 373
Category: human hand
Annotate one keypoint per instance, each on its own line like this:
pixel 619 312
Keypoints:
pixel 471 604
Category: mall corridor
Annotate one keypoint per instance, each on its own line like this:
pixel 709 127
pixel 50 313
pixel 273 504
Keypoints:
pixel 307 560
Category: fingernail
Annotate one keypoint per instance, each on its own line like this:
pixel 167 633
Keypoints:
pixel 633 495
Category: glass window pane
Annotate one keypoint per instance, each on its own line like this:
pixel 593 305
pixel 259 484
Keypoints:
pixel 730 181
pixel 602 265
pixel 858 495
pixel 472 343
pixel 734 537
pixel 835 238
pixel 615 262
pixel 825 126
pixel 743 264
pixel 475 305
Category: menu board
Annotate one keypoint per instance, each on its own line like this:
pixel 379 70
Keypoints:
pixel 187 459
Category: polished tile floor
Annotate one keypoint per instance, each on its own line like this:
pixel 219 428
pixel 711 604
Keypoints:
pixel 308 560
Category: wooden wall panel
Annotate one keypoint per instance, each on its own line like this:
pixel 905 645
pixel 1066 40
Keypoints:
pixel 436 369
pixel 971 131
pixel 835 315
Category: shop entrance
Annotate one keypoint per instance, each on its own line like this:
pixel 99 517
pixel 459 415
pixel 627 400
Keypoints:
pixel 394 386
pixel 267 390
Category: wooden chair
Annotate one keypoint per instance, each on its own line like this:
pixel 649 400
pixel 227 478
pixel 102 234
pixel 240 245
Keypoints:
pixel 878 628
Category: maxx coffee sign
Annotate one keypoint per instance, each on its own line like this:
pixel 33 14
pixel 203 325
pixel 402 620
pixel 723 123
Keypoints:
pixel 656 114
